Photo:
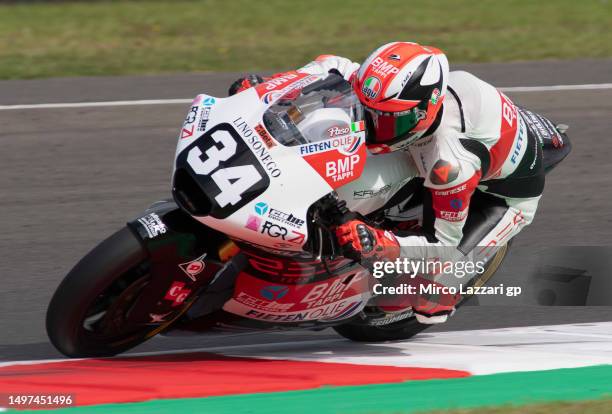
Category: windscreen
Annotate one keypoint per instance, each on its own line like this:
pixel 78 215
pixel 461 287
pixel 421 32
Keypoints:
pixel 314 113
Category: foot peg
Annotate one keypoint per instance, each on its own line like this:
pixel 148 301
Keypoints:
pixel 433 319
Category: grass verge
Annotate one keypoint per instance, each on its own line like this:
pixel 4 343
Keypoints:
pixel 580 407
pixel 495 390
pixel 145 37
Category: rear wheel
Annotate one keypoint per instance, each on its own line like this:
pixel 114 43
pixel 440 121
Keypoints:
pixel 395 331
pixel 409 327
pixel 87 316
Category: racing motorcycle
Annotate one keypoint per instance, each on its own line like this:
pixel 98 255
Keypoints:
pixel 260 181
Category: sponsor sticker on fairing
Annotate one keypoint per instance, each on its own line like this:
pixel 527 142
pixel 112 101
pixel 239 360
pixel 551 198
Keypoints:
pixel 189 126
pixel 153 225
pixel 271 96
pixel 258 146
pixel 342 309
pixel 339 297
pixel 270 305
pixel 338 160
pixel 274 88
pixel 286 218
pixel 337 130
pixel 334 311
pixel 358 126
pixel 204 119
pixel 265 136
pixel 253 223
pixel 157 318
pixel 274 292
pixel 261 208
pixel 187 132
pixel 177 293
pixel 346 145
pixel 193 267
pixel 282 233
pixel 342 168
pixel 280 80
pixel 370 193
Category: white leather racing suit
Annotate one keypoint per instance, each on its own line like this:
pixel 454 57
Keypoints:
pixel 481 141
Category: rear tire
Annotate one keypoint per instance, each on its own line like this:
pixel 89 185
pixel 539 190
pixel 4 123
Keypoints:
pixel 102 285
pixel 409 327
pixel 392 332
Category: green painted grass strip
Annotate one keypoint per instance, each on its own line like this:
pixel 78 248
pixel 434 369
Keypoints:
pixel 408 397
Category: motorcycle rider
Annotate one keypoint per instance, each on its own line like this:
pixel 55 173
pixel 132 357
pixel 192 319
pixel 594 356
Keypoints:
pixel 463 136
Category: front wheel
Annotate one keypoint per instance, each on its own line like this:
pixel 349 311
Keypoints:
pixel 87 316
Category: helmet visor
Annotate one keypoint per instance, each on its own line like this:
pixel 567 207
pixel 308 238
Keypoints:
pixel 389 127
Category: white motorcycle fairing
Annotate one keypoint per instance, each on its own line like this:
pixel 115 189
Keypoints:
pixel 252 164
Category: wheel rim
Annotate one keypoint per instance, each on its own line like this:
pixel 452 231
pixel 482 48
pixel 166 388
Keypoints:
pixel 492 267
pixel 105 321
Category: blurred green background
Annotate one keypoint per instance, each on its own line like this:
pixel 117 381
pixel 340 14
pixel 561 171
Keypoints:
pixel 45 39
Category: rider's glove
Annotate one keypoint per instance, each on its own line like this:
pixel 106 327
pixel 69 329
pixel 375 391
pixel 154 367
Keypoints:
pixel 244 83
pixel 366 244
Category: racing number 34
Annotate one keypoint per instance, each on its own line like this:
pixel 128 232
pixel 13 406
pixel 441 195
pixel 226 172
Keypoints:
pixel 232 181
pixel 224 157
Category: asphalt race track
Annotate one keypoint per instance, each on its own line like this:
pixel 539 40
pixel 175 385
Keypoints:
pixel 72 176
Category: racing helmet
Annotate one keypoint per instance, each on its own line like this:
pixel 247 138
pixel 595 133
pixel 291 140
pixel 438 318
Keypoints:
pixel 402 86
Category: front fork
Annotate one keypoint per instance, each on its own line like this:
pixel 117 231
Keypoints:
pixel 183 258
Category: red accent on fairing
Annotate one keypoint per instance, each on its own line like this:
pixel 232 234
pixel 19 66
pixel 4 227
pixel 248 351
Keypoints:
pixel 337 168
pixel 321 58
pixel 187 133
pixel 507 132
pixel 193 375
pixel 297 271
pixel 297 297
pixel 452 204
pixel 279 81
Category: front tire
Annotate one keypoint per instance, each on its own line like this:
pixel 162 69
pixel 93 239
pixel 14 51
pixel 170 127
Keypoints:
pixel 87 314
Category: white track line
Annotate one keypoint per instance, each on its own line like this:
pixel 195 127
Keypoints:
pixel 552 88
pixel 97 104
pixel 478 351
pixel 178 351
